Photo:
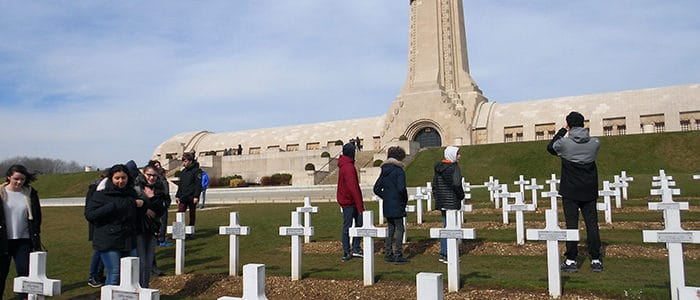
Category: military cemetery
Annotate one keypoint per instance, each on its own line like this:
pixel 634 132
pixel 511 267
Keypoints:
pixel 650 251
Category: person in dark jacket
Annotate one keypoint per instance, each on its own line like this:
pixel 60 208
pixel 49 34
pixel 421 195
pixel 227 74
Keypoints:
pixel 190 186
pixel 349 197
pixel 150 189
pixel 391 187
pixel 579 186
pixel 96 276
pixel 113 210
pixel 20 222
pixel 447 189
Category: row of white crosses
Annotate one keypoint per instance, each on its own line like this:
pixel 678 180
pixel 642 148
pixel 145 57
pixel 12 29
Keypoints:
pixel 673 234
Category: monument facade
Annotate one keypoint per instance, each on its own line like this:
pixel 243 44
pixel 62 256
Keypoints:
pixel 439 105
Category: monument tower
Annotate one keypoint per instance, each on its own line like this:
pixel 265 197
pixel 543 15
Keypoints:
pixel 438 100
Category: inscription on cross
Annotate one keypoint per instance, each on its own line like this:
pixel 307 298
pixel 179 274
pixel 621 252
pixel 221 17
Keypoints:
pixel 233 230
pixel 454 234
pixel 553 235
pixel 307 209
pixel 180 231
pixel 36 284
pixel 368 232
pixel 295 231
pixel 129 287
pixel 419 197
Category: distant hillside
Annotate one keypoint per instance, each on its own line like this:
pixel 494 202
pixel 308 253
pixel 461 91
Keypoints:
pixel 645 154
pixel 676 152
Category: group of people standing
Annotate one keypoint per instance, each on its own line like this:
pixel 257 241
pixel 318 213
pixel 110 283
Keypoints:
pixel 127 212
pixel 579 190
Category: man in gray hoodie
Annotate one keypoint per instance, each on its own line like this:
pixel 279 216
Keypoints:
pixel 579 186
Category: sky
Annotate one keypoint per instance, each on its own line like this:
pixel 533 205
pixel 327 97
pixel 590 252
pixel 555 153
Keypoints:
pixel 103 82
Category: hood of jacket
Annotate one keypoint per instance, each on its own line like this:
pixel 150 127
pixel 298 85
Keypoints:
pixel 390 165
pixel 344 160
pixel 579 135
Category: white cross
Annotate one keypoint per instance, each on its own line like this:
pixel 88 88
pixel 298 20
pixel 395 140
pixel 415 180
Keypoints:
pixel 295 231
pixel 37 285
pixel 674 236
pixel 453 233
pixel 409 208
pixel 606 206
pixel 307 209
pixel 696 176
pixel 180 232
pixel 419 204
pixel 466 186
pixel 490 186
pixel 429 195
pixel 496 194
pixel 533 186
pixel 503 195
pixel 553 235
pixel 519 207
pixel 253 283
pixel 624 178
pixel 129 287
pixel 618 184
pixel 233 231
pixel 381 208
pixel 521 182
pixel 368 232
pixel 553 193
pixel 429 286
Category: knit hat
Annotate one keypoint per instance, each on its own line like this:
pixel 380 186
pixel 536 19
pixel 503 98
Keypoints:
pixel 349 150
pixel 133 169
pixel 451 153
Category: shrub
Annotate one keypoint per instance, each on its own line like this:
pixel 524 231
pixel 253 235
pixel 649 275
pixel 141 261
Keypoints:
pixel 210 153
pixel 310 167
pixel 403 138
pixel 377 163
pixel 325 154
pixel 226 181
pixel 276 179
pixel 177 173
pixel 338 143
pixel 237 182
pixel 265 180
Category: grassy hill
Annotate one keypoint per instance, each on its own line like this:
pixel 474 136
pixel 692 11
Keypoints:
pixel 640 155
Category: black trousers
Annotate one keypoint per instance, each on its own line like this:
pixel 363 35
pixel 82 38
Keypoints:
pixel 18 250
pixel 590 218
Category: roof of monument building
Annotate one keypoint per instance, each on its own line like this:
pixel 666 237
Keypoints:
pixel 320 133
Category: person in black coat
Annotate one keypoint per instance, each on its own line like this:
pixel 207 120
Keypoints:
pixel 20 222
pixel 391 187
pixel 190 186
pixel 113 211
pixel 150 189
pixel 447 189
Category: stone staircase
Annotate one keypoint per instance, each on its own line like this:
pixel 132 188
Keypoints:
pixel 363 159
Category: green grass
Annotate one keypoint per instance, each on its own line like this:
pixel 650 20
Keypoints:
pixel 69 252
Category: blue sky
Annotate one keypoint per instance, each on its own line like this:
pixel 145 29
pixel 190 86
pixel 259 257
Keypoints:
pixel 102 82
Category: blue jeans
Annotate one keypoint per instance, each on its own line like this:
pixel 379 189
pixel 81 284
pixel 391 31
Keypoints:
pixel 17 250
pixel 97 268
pixel 349 214
pixel 443 242
pixel 146 250
pixel 202 197
pixel 112 261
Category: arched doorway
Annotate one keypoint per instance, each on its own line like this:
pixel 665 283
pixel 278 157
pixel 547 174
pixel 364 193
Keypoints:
pixel 428 137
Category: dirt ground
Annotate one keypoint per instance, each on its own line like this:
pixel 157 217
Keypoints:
pixel 212 286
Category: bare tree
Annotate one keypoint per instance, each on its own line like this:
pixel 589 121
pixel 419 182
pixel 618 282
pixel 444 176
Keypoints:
pixel 41 165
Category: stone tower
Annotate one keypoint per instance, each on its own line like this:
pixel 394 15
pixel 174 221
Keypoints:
pixel 438 100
